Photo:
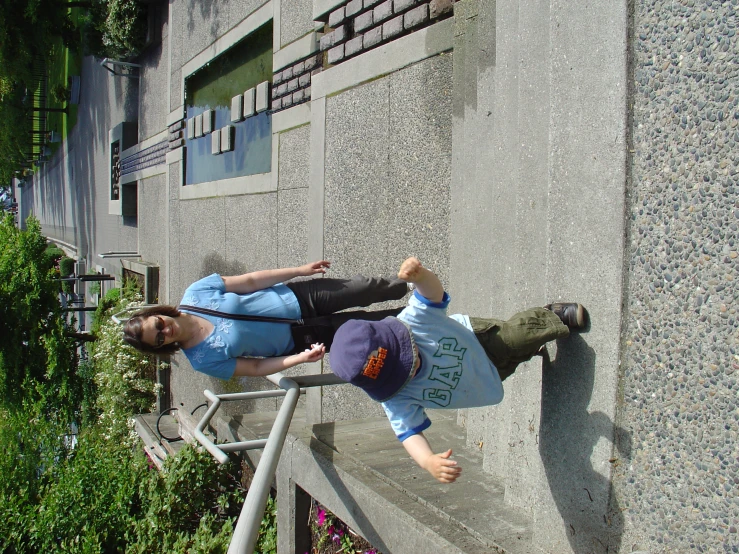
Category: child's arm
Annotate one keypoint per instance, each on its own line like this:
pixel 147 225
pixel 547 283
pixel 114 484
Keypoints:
pixel 427 283
pixel 438 465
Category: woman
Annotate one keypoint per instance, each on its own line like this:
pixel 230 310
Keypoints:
pixel 224 347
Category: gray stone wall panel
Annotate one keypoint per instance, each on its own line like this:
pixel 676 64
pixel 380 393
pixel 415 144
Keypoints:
pixel 296 19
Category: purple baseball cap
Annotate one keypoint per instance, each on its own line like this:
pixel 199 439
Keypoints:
pixel 377 356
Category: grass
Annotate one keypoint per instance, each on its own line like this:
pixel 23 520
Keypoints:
pixel 63 63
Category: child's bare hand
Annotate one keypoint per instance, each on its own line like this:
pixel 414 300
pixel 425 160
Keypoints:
pixel 410 270
pixel 442 468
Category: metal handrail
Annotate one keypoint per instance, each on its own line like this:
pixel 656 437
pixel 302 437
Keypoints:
pixel 247 527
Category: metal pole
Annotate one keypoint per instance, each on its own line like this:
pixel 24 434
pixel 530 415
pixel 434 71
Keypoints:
pixel 247 527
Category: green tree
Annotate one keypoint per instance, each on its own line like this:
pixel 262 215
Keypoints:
pixel 37 358
pixel 27 30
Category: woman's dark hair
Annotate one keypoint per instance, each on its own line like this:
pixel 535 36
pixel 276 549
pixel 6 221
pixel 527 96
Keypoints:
pixel 134 328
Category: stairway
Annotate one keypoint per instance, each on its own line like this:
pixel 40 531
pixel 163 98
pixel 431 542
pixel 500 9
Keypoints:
pixel 538 183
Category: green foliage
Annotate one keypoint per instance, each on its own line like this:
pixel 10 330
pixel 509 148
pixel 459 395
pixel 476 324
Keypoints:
pixel 30 444
pixel 102 496
pixel 114 28
pixel 60 93
pixel 93 287
pixel 95 495
pixel 36 358
pixel 194 500
pixel 125 378
pixel 66 267
pixel 267 541
pixel 27 30
pixel 125 27
pixel 53 254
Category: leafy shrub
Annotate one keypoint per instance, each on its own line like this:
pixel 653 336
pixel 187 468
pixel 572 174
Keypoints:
pixel 36 357
pixel 124 31
pixel 114 28
pixel 90 504
pixel 52 255
pixel 93 287
pixel 30 445
pixel 60 93
pixel 125 377
pixel 66 266
pixel 190 506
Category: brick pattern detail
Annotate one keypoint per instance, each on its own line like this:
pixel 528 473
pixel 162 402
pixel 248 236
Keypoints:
pixel 353 8
pixel 153 155
pixel 383 11
pixel 291 85
pixel 336 17
pixel 360 25
pixel 392 28
pixel 415 17
pixel 176 137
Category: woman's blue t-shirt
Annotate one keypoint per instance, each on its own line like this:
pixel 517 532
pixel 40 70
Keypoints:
pixel 232 338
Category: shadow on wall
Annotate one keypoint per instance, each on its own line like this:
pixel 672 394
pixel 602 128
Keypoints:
pixel 568 435
pixel 215 263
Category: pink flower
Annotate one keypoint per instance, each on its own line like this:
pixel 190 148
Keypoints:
pixel 321 516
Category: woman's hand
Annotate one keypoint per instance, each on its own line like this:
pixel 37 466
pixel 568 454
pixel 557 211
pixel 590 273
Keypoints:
pixel 313 268
pixel 316 353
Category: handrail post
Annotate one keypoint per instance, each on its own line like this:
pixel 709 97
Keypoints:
pixel 247 528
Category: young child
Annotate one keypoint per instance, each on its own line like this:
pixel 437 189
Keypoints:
pixel 425 359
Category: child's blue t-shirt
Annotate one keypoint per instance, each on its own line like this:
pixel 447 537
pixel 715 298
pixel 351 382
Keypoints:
pixel 232 338
pixel 455 371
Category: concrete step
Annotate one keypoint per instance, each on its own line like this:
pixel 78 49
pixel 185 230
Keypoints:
pixel 252 426
pixel 359 471
pixel 537 203
pixel 500 219
pixel 157 447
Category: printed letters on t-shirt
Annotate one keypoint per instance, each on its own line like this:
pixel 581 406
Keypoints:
pixel 449 352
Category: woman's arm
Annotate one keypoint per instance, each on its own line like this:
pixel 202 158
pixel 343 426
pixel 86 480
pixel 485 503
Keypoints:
pixel 258 280
pixel 259 367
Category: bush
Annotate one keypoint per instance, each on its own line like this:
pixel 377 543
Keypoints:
pixel 52 255
pixel 61 94
pixel 124 32
pixel 190 506
pixel 91 503
pixel 66 266
pixel 125 377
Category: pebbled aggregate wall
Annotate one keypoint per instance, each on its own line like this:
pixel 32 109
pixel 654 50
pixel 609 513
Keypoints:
pixel 679 409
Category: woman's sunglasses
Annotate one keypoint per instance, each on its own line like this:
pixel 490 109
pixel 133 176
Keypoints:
pixel 159 326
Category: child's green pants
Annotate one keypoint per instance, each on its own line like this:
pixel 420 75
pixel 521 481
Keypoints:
pixel 508 343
